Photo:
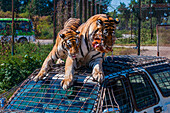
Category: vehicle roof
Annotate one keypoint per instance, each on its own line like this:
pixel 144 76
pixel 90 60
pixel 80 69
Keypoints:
pixel 48 95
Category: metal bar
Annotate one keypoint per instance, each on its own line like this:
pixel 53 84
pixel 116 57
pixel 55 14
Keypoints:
pixel 139 25
pixel 157 40
pixel 54 23
pixel 85 10
pixel 12 50
pixel 151 19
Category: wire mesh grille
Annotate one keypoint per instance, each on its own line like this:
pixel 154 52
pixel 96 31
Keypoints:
pixel 115 96
pixel 48 95
pixel 117 93
pixel 125 62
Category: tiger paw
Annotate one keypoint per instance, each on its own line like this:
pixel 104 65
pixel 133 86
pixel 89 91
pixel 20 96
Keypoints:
pixel 38 77
pixel 66 83
pixel 59 61
pixel 98 76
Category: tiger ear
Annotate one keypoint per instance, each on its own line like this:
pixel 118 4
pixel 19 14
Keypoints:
pixel 62 36
pixel 78 32
pixel 99 22
pixel 116 20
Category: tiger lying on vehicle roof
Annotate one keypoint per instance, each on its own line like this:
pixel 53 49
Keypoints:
pixel 66 47
pixel 99 27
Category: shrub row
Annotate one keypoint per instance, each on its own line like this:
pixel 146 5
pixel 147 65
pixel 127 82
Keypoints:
pixel 27 58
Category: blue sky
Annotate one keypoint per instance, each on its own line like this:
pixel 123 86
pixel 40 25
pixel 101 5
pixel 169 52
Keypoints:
pixel 115 3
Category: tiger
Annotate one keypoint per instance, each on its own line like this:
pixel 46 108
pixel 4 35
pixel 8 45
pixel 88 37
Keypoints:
pixel 97 37
pixel 66 47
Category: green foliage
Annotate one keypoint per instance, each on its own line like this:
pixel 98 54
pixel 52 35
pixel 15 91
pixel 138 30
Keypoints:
pixel 5 14
pixel 27 58
pixel 15 70
pixel 45 28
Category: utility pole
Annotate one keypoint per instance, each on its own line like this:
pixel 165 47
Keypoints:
pixel 139 24
pixel 12 51
pixel 54 23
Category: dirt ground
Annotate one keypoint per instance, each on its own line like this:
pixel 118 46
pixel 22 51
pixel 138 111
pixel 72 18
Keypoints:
pixel 164 51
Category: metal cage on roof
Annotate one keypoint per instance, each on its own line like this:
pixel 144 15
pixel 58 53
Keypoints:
pixel 115 94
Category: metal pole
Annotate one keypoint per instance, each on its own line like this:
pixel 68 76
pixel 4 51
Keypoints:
pixel 131 24
pixel 139 24
pixel 157 40
pixel 12 51
pixel 151 19
pixel 54 24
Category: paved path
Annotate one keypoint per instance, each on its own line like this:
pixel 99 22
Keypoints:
pixel 45 41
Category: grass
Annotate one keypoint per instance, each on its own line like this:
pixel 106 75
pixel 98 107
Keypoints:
pixel 20 50
pixel 122 51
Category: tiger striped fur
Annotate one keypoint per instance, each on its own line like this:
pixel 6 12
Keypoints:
pixel 66 47
pixel 100 25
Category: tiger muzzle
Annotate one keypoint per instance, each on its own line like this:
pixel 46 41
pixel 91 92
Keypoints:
pixel 101 44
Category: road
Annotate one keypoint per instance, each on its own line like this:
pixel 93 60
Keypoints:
pixel 45 41
pixel 145 50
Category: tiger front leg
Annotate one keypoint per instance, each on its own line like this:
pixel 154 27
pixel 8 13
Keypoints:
pixel 69 71
pixel 49 61
pixel 97 72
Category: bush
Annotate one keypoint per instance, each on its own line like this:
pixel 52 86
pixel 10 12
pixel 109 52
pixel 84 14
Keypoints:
pixel 13 71
pixel 27 58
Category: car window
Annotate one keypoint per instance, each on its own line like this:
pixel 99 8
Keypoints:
pixel 161 75
pixel 163 81
pixel 143 91
pixel 2 25
pixel 117 96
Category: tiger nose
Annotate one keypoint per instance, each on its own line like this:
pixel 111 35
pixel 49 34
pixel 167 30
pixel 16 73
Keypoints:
pixel 74 51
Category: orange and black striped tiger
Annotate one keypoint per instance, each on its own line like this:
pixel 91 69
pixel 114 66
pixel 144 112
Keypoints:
pixel 97 36
pixel 66 47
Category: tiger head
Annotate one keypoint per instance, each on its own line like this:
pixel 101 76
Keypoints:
pixel 71 42
pixel 104 36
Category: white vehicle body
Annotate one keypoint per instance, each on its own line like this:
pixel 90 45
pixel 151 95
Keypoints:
pixel 21 38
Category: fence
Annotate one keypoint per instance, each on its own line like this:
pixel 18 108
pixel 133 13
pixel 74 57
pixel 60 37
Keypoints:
pixel 163 41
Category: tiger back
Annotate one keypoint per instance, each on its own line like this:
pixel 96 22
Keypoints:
pixel 67 44
pixel 100 32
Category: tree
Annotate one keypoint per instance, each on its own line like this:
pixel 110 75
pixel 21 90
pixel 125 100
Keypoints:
pixel 125 13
